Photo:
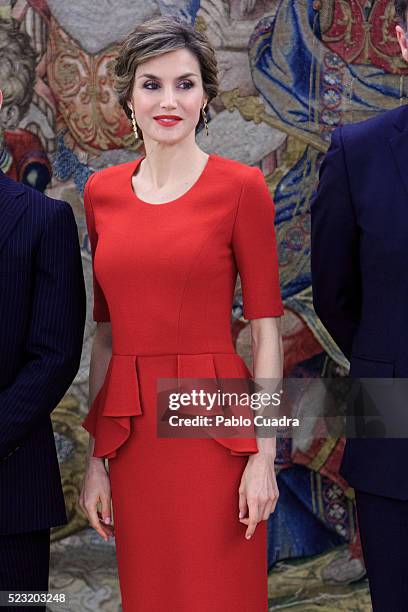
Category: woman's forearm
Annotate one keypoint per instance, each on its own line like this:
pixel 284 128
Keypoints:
pixel 267 352
pixel 100 356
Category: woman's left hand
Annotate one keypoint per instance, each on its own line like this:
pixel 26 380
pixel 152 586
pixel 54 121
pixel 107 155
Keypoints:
pixel 258 491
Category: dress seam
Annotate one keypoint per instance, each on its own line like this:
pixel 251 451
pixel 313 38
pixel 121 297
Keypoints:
pixel 244 184
pixel 209 292
pixel 214 229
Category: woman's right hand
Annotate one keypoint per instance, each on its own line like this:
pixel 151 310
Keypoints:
pixel 96 490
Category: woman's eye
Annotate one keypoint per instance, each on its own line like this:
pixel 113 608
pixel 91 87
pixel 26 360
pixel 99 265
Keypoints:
pixel 150 83
pixel 187 83
pixel 153 85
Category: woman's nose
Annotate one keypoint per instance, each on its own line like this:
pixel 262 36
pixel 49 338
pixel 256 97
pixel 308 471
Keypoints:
pixel 168 99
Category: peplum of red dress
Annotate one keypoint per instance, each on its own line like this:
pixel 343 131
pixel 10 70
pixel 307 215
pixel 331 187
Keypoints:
pixel 164 276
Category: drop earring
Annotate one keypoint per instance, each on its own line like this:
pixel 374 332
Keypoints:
pixel 205 119
pixel 134 124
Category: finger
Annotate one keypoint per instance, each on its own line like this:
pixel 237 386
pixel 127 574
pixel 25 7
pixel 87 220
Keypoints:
pixel 267 511
pixel 275 500
pixel 251 529
pixel 243 508
pixel 106 510
pixel 253 518
pixel 245 519
pixel 109 529
pixel 94 521
pixel 262 507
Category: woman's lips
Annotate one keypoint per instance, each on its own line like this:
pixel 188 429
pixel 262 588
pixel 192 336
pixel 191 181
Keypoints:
pixel 167 122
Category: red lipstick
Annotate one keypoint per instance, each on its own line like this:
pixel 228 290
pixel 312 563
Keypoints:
pixel 167 120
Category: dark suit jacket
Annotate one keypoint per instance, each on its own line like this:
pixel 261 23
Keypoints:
pixel 42 318
pixel 359 274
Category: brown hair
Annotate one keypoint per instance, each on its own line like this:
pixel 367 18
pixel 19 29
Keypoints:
pixel 156 37
pixel 401 9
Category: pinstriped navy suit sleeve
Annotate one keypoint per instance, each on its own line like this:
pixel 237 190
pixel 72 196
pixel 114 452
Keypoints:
pixel 55 335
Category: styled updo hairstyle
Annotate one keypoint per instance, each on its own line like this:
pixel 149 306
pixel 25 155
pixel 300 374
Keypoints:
pixel 155 37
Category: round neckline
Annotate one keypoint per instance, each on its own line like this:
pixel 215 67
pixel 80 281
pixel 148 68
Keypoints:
pixel 177 200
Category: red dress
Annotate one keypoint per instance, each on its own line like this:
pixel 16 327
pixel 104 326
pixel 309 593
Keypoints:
pixel 164 275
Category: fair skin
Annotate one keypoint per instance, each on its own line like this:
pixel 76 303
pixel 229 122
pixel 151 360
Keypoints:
pixel 173 160
pixel 402 40
pixel 172 164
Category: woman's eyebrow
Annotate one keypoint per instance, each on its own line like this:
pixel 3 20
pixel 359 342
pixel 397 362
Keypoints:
pixel 152 76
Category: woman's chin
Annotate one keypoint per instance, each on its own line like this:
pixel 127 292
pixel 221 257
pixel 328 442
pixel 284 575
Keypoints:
pixel 166 138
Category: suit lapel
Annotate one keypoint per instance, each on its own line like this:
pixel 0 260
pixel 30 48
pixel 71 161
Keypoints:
pixel 12 205
pixel 399 145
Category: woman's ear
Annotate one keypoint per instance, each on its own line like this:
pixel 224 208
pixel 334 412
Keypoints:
pixel 403 42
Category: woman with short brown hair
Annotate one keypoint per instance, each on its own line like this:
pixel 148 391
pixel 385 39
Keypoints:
pixel 169 233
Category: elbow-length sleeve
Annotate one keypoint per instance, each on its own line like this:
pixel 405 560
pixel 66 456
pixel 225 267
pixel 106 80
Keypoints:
pixel 100 306
pixel 255 249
